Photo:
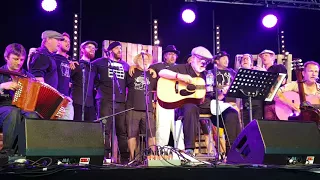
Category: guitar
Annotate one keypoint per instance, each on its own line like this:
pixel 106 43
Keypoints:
pixel 172 94
pixel 308 113
pixel 284 112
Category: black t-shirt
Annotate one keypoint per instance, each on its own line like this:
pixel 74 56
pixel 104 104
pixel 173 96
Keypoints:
pixel 42 64
pixel 64 72
pixel 224 78
pixel 161 65
pixel 6 97
pixel 186 69
pixel 106 75
pixel 136 90
pixel 77 83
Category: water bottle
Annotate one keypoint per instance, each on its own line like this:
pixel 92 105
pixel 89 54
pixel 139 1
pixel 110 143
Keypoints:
pixel 209 81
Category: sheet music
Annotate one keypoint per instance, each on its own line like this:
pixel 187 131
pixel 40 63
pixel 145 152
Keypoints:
pixel 275 87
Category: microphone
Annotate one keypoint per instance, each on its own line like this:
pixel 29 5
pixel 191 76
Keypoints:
pixel 83 63
pixel 142 52
pixel 317 79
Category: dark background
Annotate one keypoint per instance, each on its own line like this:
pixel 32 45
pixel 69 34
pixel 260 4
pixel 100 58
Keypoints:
pixel 130 21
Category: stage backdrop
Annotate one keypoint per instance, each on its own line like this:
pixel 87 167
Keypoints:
pixel 130 50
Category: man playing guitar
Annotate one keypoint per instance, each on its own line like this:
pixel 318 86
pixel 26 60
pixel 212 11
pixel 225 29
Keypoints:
pixel 311 88
pixel 186 73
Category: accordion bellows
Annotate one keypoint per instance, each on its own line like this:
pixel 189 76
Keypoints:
pixel 39 97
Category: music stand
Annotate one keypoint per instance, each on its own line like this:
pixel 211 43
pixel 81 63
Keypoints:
pixel 255 85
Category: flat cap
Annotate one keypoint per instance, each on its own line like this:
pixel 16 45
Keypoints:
pixel 201 51
pixel 52 34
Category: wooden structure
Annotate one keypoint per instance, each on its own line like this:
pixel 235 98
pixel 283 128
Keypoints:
pixel 130 50
pixel 285 59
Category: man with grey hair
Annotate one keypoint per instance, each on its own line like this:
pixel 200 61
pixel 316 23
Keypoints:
pixel 186 72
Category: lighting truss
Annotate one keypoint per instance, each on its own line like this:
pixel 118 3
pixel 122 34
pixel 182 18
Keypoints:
pixel 299 4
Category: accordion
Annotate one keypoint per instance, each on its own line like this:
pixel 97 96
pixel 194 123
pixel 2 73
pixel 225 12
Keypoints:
pixel 39 97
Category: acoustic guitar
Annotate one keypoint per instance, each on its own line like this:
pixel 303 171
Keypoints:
pixel 173 94
pixel 308 112
pixel 284 112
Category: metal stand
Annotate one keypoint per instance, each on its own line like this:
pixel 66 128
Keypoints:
pixel 146 92
pixel 215 72
pixel 83 90
pixel 255 85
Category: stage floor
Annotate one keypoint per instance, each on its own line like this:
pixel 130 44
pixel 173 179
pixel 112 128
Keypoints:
pixel 218 172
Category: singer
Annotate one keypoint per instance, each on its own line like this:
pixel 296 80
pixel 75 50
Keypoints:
pixel 311 87
pixel 136 119
pixel 87 50
pixel 185 72
pixel 108 67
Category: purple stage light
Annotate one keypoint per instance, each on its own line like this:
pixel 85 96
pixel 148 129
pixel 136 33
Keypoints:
pixel 188 16
pixel 49 5
pixel 269 21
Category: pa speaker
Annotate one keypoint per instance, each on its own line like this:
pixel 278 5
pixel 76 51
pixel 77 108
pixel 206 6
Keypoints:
pixel 65 141
pixel 277 143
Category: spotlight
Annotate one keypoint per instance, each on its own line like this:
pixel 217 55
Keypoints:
pixel 49 5
pixel 269 21
pixel 188 16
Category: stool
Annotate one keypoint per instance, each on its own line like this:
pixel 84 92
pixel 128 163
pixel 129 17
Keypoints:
pixel 205 120
pixel 211 139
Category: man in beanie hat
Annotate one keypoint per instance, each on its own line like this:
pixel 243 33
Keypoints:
pixel 268 58
pixel 136 119
pixel 107 67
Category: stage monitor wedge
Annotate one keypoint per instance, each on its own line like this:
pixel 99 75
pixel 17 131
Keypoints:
pixel 277 143
pixel 61 140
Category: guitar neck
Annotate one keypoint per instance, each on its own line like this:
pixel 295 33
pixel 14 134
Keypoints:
pixel 200 86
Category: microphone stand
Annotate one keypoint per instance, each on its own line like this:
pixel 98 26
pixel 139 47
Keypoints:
pixel 215 71
pixel 83 66
pixel 114 80
pixel 146 99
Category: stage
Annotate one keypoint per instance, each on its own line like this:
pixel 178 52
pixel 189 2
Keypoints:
pixel 218 172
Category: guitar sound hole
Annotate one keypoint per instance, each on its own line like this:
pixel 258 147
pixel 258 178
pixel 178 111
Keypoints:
pixel 184 92
pixel 191 87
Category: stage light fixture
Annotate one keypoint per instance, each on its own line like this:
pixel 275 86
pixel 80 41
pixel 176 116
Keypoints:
pixel 155 32
pixel 269 21
pixel 282 42
pixel 75 36
pixel 188 16
pixel 218 39
pixel 49 5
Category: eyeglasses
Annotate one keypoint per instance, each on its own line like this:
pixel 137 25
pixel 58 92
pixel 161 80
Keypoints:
pixel 92 47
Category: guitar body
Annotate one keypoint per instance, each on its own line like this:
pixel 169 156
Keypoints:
pixel 307 114
pixel 283 111
pixel 173 94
